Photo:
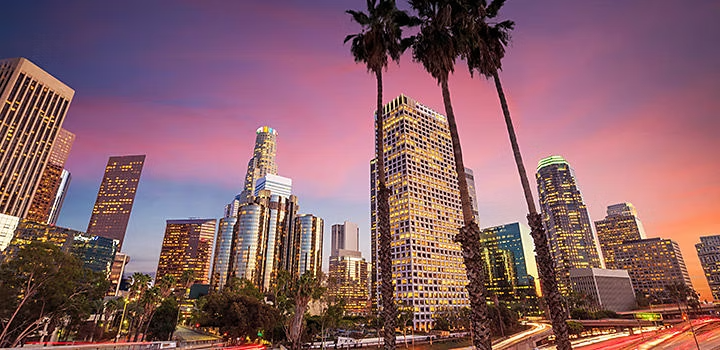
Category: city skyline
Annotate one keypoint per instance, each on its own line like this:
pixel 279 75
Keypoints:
pixel 633 117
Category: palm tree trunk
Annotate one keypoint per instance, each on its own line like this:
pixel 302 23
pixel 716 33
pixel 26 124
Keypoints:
pixel 469 238
pixel 545 262
pixel 387 290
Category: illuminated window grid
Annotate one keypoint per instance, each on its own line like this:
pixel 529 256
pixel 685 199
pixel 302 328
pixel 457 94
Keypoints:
pixel 708 251
pixel 187 245
pixel 652 264
pixel 424 211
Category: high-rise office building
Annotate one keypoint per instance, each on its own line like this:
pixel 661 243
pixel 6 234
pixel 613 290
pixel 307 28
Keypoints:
pixel 470 180
pixel 47 191
pixel 344 237
pixel 262 161
pixel 621 224
pixel 566 220
pixel 310 229
pixel 117 269
pixel 652 263
pixel 708 251
pixel 348 270
pixel 115 198
pixel 34 105
pixel 510 261
pixel 425 212
pixel 187 245
pixel 223 247
pixel 263 239
pixel 65 179
pixel 8 224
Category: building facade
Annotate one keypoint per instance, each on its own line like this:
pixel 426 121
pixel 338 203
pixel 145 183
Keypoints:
pixel 621 224
pixel 606 289
pixel 310 230
pixel 115 198
pixel 425 212
pixel 281 186
pixel 566 220
pixel 470 180
pixel 46 193
pixel 349 275
pixel 652 263
pixel 223 247
pixel 8 224
pixel 262 161
pixel 65 179
pixel 708 251
pixel 117 269
pixel 34 106
pixel 187 245
pixel 344 236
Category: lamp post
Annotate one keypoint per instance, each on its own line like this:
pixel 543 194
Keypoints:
pixel 122 319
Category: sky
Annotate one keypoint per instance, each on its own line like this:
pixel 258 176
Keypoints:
pixel 627 92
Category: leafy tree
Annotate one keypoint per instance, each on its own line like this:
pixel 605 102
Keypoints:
pixel 483 46
pixel 162 325
pixel 45 286
pixel 380 38
pixel 292 298
pixel 574 327
pixel 437 45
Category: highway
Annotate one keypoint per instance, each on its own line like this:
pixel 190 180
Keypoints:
pixel 678 337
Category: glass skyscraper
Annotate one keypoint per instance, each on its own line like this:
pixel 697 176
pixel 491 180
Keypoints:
pixel 425 213
pixel 566 220
pixel 310 229
pixel 52 179
pixel 262 161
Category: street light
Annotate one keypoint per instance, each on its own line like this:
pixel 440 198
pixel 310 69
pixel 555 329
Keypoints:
pixel 120 326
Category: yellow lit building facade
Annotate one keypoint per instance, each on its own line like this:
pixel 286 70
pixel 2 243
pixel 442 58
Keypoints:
pixel 652 264
pixel 425 214
pixel 187 245
pixel 566 220
pixel 33 107
pixel 47 190
pixel 262 161
pixel 621 224
pixel 349 273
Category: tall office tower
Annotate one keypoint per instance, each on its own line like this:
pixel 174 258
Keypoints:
pixel 349 271
pixel 310 229
pixel 470 179
pixel 51 179
pixel 223 245
pixel 34 105
pixel 344 236
pixel 263 236
pixel 8 224
pixel 621 224
pixel 425 212
pixel 65 179
pixel 652 264
pixel 566 220
pixel 708 251
pixel 281 186
pixel 510 262
pixel 262 161
pixel 187 245
pixel 114 202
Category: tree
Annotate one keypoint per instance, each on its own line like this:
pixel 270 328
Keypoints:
pixel 406 314
pixel 483 47
pixel 163 323
pixel 44 286
pixel 436 46
pixel 292 299
pixel 380 38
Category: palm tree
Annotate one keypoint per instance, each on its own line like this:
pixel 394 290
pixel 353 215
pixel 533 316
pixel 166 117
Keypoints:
pixel 436 46
pixel 484 48
pixel 380 38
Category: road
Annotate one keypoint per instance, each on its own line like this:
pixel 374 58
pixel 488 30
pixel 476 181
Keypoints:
pixel 678 337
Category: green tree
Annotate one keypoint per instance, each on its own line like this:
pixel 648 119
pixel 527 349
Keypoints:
pixel 163 323
pixel 436 46
pixel 406 314
pixel 380 39
pixel 292 298
pixel 44 286
pixel 483 47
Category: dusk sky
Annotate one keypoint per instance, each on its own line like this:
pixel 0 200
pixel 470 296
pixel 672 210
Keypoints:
pixel 628 92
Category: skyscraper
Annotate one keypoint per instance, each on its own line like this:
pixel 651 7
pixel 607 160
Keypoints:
pixel 115 198
pixel 187 245
pixel 349 272
pixel 470 180
pixel 65 179
pixel 344 237
pixel 621 224
pixel 566 220
pixel 708 251
pixel 34 105
pixel 512 270
pixel 652 263
pixel 425 212
pixel 281 186
pixel 223 245
pixel 47 191
pixel 263 239
pixel 310 229
pixel 262 161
